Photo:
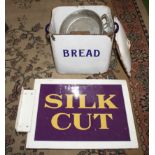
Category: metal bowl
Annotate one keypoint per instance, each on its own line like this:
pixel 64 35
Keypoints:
pixel 82 22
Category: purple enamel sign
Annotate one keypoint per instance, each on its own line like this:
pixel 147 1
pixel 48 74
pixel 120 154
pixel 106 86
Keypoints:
pixel 69 112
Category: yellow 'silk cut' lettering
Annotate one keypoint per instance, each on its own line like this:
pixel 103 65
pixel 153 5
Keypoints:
pixel 103 103
pixel 54 101
pixel 55 122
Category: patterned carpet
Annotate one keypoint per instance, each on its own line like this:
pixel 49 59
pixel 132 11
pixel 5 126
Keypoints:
pixel 28 56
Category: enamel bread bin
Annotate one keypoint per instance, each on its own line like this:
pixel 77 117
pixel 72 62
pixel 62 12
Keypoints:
pixel 86 53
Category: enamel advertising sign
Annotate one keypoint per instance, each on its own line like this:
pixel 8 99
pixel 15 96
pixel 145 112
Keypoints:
pixel 82 114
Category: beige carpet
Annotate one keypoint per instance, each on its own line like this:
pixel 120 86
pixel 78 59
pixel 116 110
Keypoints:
pixel 29 56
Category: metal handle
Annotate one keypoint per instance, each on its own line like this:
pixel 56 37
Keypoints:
pixel 47 28
pixel 110 26
pixel 106 24
pixel 47 31
pixel 48 34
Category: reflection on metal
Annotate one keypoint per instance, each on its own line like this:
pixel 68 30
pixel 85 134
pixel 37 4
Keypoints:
pixel 83 21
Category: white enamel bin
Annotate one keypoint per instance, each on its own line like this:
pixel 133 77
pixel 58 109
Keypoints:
pixel 85 54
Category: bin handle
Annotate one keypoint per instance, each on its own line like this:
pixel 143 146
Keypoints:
pixel 106 24
pixel 48 33
pixel 47 28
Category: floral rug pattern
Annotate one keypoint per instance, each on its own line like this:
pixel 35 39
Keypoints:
pixel 29 56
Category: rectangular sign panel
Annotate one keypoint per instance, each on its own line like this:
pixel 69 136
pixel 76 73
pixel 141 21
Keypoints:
pixel 82 114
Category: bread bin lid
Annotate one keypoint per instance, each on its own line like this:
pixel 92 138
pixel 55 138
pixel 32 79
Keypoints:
pixel 123 45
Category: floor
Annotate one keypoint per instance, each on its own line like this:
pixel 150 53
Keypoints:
pixel 144 10
pixel 28 56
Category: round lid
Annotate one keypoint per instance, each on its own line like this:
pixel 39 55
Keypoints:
pixel 82 22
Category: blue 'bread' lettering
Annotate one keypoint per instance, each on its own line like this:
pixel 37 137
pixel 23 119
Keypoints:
pixel 66 53
pixel 81 53
pixel 96 53
pixel 74 53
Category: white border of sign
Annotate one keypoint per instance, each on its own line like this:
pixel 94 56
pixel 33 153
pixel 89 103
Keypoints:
pixel 133 143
